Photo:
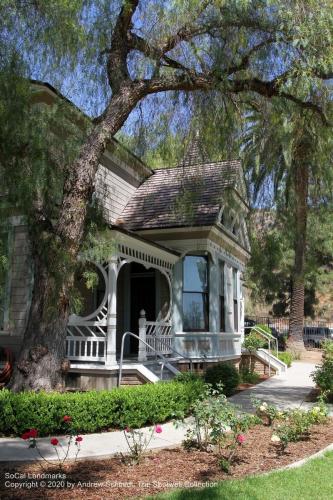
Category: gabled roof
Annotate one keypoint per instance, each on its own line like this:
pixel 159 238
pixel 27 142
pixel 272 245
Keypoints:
pixel 188 195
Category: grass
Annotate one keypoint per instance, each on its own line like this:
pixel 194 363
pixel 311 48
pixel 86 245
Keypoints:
pixel 312 480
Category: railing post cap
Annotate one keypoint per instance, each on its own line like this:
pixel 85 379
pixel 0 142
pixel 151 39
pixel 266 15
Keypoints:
pixel 142 313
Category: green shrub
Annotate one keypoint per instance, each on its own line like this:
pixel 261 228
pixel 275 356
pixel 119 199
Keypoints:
pixel 323 377
pixel 96 410
pixel 327 346
pixel 225 374
pixel 253 342
pixel 286 357
pixel 186 377
pixel 249 377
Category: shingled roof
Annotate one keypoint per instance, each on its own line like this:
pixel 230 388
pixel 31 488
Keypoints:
pixel 188 195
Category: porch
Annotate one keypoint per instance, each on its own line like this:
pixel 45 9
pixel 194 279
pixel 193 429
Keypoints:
pixel 136 292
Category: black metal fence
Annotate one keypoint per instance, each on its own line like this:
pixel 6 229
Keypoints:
pixel 282 324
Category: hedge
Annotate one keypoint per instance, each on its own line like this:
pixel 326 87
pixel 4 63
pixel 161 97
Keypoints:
pixel 95 411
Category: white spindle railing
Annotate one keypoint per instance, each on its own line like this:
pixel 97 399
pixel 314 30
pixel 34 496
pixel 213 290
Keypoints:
pixel 86 348
pixel 159 337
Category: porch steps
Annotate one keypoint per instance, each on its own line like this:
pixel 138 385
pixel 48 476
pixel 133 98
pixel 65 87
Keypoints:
pixel 169 370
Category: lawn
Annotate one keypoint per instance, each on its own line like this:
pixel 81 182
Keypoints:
pixel 313 480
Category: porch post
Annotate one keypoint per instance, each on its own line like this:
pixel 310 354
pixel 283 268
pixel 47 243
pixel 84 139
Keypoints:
pixel 214 284
pixel 142 355
pixel 241 308
pixel 112 314
pixel 229 320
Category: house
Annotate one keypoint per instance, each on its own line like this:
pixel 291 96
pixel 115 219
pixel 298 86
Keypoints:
pixel 174 277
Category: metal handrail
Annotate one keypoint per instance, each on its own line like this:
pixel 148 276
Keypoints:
pixel 269 337
pixel 164 360
pixel 179 353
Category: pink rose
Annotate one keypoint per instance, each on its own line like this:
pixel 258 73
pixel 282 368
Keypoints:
pixel 158 429
pixel 67 418
pixel 240 438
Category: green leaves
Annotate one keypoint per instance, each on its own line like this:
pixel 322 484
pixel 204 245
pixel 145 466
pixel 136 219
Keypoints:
pixel 96 411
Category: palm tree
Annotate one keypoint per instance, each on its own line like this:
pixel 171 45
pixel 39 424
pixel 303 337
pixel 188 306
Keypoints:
pixel 291 151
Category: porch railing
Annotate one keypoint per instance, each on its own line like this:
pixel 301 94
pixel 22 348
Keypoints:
pixel 86 348
pixel 157 337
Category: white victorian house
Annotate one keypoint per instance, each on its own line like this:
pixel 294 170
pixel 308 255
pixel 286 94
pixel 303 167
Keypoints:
pixel 178 251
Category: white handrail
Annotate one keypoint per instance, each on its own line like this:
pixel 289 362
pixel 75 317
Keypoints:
pixel 269 337
pixel 164 360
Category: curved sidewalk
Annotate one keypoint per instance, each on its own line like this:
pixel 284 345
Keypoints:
pixel 286 392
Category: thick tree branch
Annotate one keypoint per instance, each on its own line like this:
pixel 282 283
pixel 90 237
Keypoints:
pixel 117 60
pixel 192 81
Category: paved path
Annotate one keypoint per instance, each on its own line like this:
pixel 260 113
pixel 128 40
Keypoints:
pixel 285 392
pixel 288 391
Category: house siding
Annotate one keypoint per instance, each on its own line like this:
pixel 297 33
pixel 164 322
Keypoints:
pixel 113 193
pixel 20 282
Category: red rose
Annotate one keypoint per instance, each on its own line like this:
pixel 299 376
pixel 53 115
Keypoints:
pixel 54 441
pixel 67 418
pixel 33 433
pixel 240 438
pixel 25 436
pixel 79 439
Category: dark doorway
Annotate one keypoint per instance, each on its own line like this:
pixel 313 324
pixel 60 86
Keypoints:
pixel 142 293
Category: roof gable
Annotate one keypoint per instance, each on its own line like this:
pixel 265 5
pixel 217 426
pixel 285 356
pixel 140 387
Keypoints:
pixel 188 195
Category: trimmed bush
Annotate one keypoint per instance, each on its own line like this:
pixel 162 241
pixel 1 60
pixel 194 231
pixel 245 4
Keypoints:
pixel 223 373
pixel 96 410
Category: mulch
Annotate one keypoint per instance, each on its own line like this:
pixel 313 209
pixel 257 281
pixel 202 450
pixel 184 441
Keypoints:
pixel 159 471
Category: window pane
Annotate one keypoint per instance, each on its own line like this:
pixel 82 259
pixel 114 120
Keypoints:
pixel 195 311
pixel 222 278
pixel 235 315
pixel 234 279
pixel 195 274
pixel 222 314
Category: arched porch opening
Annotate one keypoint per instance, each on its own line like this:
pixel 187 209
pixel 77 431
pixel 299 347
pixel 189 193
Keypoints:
pixel 140 289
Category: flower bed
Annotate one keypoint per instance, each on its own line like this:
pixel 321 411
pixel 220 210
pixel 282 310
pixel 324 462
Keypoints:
pixel 98 410
pixel 160 471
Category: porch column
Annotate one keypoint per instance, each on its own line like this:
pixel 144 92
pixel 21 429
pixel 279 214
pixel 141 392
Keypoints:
pixel 112 314
pixel 177 290
pixel 142 355
pixel 214 298
pixel 229 317
pixel 241 307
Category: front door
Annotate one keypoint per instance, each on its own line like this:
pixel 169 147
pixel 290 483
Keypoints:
pixel 142 296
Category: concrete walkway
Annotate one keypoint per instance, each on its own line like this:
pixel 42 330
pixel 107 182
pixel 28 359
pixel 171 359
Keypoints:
pixel 286 392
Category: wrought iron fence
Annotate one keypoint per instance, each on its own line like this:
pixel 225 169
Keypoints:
pixel 282 324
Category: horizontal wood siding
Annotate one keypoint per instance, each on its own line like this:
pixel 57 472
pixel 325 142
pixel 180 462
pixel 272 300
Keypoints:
pixel 20 282
pixel 113 192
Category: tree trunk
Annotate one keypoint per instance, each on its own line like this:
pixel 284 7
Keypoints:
pixel 41 362
pixel 295 342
